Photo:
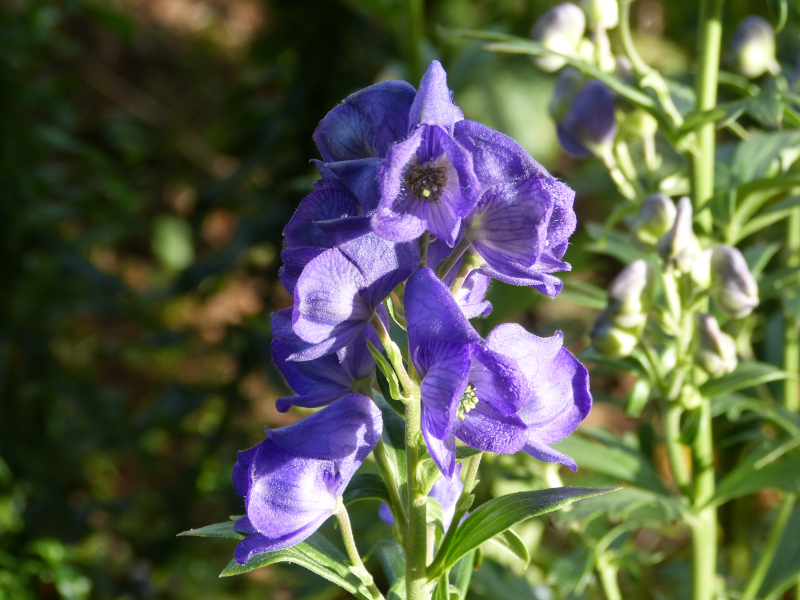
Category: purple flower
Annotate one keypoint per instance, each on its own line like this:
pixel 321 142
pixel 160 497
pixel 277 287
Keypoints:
pixel 557 397
pixel 471 295
pixel 590 124
pixel 427 181
pixel 366 123
pixel 340 290
pixel 293 481
pixel 323 380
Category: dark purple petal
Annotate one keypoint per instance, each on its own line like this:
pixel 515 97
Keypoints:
pixel 536 276
pixel 294 261
pixel 385 513
pixel 486 428
pixel 541 451
pixel 360 177
pixel 367 123
pixel 241 471
pixel 444 368
pixel 497 380
pixel 433 103
pixel 496 158
pixel 432 313
pixel 321 205
pixel 443 452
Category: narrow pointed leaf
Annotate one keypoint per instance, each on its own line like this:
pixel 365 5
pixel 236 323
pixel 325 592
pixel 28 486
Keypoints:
pixel 499 514
pixel 217 530
pixel 390 554
pixel 387 370
pixel 785 568
pixel 747 479
pixel 512 542
pixel 747 374
pixel 366 486
pixel 317 555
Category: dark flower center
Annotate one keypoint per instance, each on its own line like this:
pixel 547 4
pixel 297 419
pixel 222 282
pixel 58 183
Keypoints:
pixel 426 182
pixel 468 401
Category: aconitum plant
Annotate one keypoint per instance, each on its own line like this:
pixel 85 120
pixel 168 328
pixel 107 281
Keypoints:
pixel 416 210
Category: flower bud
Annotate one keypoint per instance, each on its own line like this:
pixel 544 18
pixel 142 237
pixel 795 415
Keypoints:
pixel 732 285
pixel 601 13
pixel 752 49
pixel 679 246
pixel 631 293
pixel 690 398
pixel 569 82
pixel 559 29
pixel 716 351
pixel 656 217
pixel 701 270
pixel 610 340
pixel 590 125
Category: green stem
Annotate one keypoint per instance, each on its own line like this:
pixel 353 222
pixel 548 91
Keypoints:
pixel 625 187
pixel 704 524
pixel 672 425
pixel 770 548
pixel 393 352
pixel 608 576
pixel 791 340
pixel 706 90
pixel 625 38
pixel 417 532
pixel 424 242
pixel 443 268
pixel 390 478
pixel 416 17
pixel 352 552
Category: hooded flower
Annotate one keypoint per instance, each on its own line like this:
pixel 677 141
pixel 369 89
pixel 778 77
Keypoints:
pixel 590 125
pixel 471 295
pixel 340 290
pixel 293 481
pixel 426 181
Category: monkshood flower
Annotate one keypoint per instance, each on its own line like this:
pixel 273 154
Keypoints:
pixel 569 82
pixel 323 380
pixel 589 126
pixel 294 480
pixel 559 29
pixel 367 123
pixel 733 287
pixel 471 295
pixel 427 180
pixel 445 491
pixel 752 49
pixel 340 290
pixel 716 350
pixel 680 247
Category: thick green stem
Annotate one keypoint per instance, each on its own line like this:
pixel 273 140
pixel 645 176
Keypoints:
pixel 352 553
pixel 608 576
pixel 417 532
pixel 770 548
pixel 443 268
pixel 672 426
pixel 791 340
pixel 706 90
pixel 704 524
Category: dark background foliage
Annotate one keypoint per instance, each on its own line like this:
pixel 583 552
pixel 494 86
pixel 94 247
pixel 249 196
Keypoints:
pixel 150 153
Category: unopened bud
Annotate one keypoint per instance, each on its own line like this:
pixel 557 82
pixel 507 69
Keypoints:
pixel 631 292
pixel 610 340
pixel 638 124
pixel 590 125
pixel 752 50
pixel 690 398
pixel 701 270
pixel 656 217
pixel 569 82
pixel 716 350
pixel 733 287
pixel 679 246
pixel 559 29
pixel 601 13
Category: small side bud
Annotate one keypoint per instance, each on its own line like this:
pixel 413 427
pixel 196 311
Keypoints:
pixel 590 125
pixel 656 217
pixel 679 246
pixel 701 270
pixel 570 81
pixel 601 13
pixel 631 292
pixel 559 29
pixel 690 398
pixel 733 287
pixel 752 49
pixel 638 124
pixel 610 340
pixel 716 350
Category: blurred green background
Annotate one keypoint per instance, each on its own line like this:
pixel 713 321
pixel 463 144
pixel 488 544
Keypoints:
pixel 152 151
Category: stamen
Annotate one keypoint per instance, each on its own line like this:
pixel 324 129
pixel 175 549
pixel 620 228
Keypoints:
pixel 426 182
pixel 468 401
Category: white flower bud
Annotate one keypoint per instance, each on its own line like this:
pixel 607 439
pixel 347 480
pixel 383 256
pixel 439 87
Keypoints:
pixel 733 287
pixel 631 292
pixel 752 49
pixel 716 351
pixel 679 246
pixel 601 13
pixel 656 217
pixel 559 29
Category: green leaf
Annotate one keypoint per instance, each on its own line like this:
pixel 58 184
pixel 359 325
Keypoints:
pixel 217 530
pixel 499 514
pixel 461 575
pixel 390 554
pixel 768 217
pixel 766 108
pixel 623 364
pixel 785 567
pixel 636 506
pixel 614 243
pixel 394 314
pixel 396 405
pixel 755 157
pixel 637 398
pixel 613 458
pixel 387 370
pixel 394 438
pixel 317 555
pixel 442 589
pixel 746 478
pixel 398 590
pixel 584 294
pixel 747 374
pixel 512 542
pixel 366 486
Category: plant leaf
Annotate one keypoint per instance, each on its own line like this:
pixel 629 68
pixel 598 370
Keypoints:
pixel 366 486
pixel 512 542
pixel 317 555
pixel 387 370
pixel 217 530
pixel 746 478
pixel 747 374
pixel 499 514
pixel 390 555
pixel 785 566
pixel 584 294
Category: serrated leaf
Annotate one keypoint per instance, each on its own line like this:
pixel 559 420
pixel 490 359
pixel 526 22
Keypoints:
pixel 747 479
pixel 217 530
pixel 499 514
pixel 747 374
pixel 366 486
pixel 612 458
pixel 511 542
pixel 387 370
pixel 317 555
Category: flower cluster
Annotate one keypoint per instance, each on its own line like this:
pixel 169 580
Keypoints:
pixel 416 210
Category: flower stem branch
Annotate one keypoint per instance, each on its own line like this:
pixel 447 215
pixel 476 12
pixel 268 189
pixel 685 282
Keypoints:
pixel 704 525
pixel 416 538
pixel 448 263
pixel 394 354
pixel 608 576
pixel 352 552
pixel 390 478
pixel 624 186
